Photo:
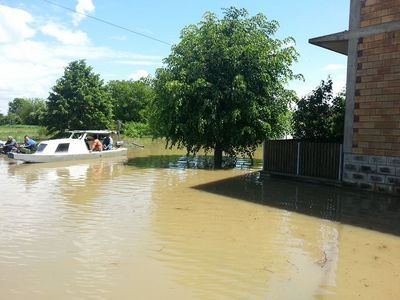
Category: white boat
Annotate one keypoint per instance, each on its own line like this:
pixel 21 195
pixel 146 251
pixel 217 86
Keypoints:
pixel 75 147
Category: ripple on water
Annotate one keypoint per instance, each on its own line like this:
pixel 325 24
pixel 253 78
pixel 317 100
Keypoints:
pixel 109 229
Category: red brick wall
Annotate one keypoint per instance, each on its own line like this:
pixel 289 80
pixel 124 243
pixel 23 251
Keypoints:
pixel 376 127
pixel 374 12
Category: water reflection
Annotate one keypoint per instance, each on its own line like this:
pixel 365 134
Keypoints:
pixel 65 225
pixel 111 229
pixel 191 162
pixel 212 242
pixel 373 211
pixel 286 248
pixel 66 178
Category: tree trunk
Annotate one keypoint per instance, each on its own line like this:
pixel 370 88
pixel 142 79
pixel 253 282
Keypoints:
pixel 218 157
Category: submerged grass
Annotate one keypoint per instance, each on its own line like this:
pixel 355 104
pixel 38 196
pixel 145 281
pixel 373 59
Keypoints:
pixel 38 133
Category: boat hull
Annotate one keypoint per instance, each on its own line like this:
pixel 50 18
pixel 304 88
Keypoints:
pixel 43 158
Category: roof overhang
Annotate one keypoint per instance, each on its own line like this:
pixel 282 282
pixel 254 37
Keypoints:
pixel 91 131
pixel 337 42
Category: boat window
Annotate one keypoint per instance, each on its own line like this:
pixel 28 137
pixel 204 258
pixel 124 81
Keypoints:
pixel 62 147
pixel 41 147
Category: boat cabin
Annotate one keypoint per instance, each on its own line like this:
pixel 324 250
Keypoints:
pixel 79 141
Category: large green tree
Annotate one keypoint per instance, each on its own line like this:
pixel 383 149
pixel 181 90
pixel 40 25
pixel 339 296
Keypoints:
pixel 223 86
pixel 79 100
pixel 338 113
pixel 20 107
pixel 320 114
pixel 3 119
pixel 28 111
pixel 130 99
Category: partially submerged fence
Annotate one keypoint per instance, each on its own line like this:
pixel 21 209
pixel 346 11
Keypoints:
pixel 299 158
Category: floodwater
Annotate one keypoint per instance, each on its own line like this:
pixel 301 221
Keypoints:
pixel 149 228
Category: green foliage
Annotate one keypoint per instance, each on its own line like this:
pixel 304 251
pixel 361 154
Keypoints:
pixel 130 99
pixel 338 113
pixel 18 110
pixel 38 114
pixel 320 115
pixel 20 107
pixel 223 86
pixel 135 129
pixel 2 119
pixel 79 100
pixel 26 111
pixel 12 119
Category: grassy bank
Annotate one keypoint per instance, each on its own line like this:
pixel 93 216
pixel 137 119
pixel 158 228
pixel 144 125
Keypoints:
pixel 38 133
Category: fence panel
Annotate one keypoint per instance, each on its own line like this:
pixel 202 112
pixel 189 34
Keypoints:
pixel 280 156
pixel 313 159
pixel 320 160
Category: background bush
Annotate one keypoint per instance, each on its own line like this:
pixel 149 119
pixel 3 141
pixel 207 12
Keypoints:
pixel 135 129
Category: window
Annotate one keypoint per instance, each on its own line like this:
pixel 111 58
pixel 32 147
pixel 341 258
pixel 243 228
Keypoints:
pixel 41 147
pixel 62 147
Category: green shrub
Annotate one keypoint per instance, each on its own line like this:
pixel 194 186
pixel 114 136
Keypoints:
pixel 135 129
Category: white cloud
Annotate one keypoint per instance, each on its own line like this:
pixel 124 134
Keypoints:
pixel 65 36
pixel 303 89
pixel 149 62
pixel 139 74
pixel 14 25
pixel 138 60
pixel 134 56
pixel 334 67
pixel 83 7
pixel 339 84
pixel 29 67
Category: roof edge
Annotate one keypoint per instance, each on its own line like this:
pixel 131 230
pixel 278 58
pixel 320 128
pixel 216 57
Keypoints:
pixel 337 42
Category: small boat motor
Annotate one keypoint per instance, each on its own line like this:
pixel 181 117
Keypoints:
pixel 118 144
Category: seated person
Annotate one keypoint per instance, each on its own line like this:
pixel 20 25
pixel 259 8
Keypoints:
pixel 108 142
pixel 10 144
pixel 97 145
pixel 30 145
pixel 87 143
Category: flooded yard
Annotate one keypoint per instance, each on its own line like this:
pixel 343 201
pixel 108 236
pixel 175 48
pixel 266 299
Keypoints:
pixel 148 228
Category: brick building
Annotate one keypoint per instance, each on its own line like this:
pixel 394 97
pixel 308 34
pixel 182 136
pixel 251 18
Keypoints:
pixel 372 123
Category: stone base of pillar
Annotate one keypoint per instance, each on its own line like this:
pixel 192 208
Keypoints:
pixel 372 173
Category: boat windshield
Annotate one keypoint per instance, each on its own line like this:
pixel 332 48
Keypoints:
pixel 84 133
pixel 41 147
pixel 76 135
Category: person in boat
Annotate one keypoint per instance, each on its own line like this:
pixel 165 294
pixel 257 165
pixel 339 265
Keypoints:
pixel 97 145
pixel 108 142
pixel 10 144
pixel 29 147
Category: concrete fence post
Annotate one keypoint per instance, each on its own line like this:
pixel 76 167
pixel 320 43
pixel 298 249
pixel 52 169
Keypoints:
pixel 340 162
pixel 298 159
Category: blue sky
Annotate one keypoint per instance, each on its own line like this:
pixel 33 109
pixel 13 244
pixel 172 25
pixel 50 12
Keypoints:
pixel 38 39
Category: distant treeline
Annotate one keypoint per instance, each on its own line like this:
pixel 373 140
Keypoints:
pixel 223 88
pixel 80 100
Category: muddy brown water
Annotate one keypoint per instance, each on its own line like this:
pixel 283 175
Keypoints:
pixel 149 228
